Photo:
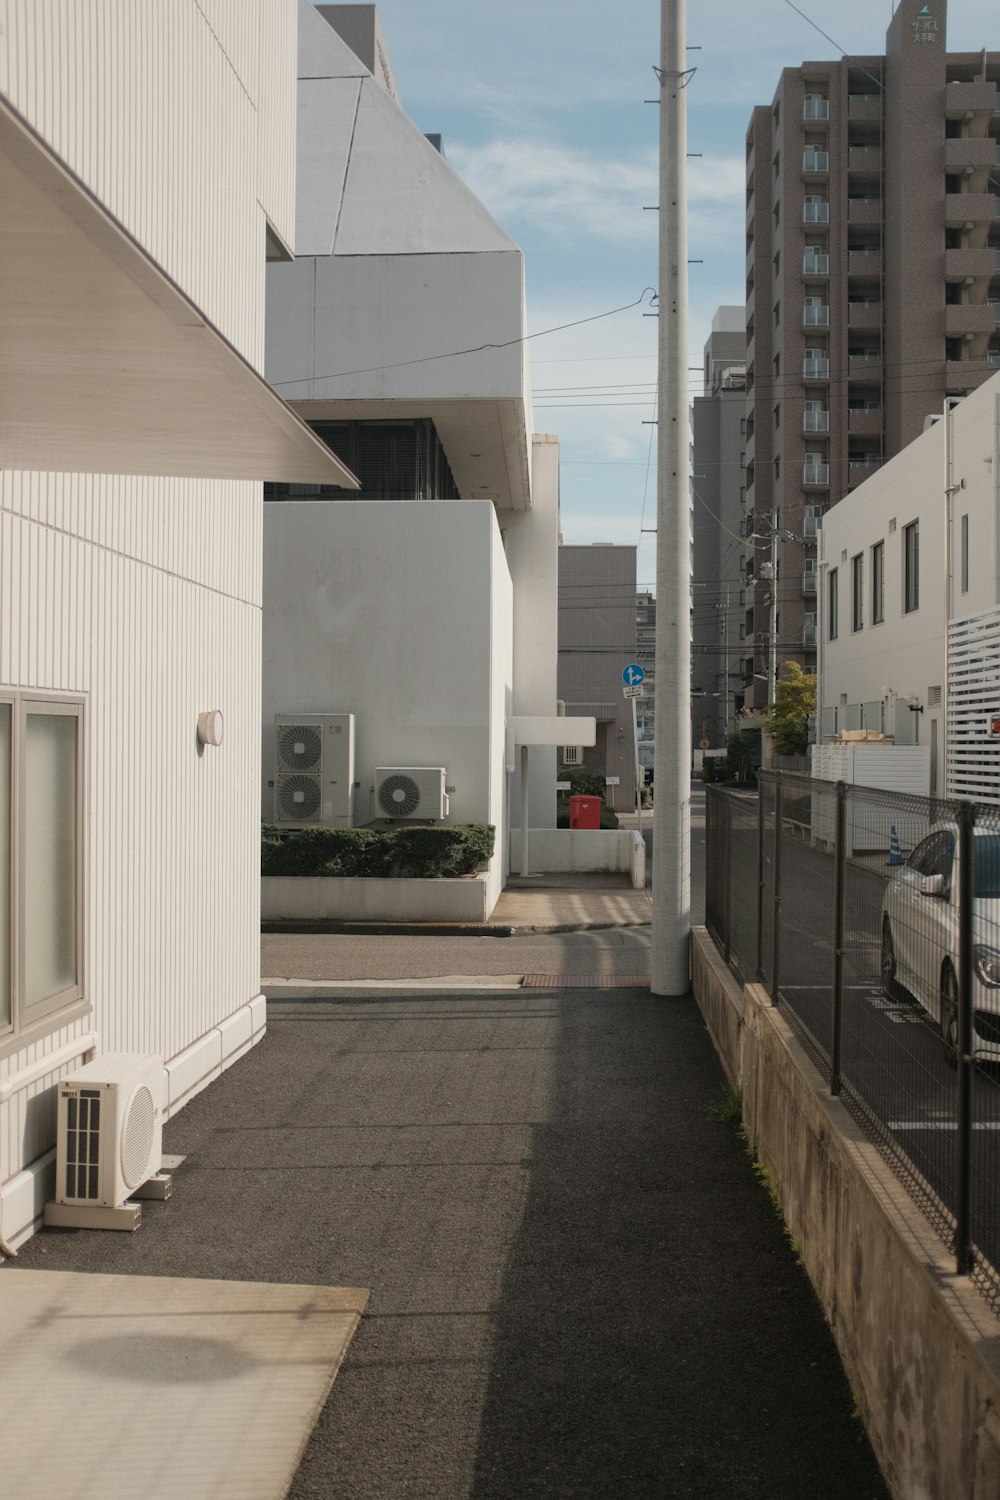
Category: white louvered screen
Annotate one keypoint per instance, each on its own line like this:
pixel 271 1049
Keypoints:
pixel 973 695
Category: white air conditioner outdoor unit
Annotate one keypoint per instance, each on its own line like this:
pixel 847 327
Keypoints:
pixel 411 792
pixel 314 770
pixel 110 1130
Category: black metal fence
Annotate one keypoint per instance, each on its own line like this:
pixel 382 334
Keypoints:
pixel 873 920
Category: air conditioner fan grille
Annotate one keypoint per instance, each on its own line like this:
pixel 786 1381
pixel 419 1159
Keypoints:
pixel 299 797
pixel 300 747
pixel 137 1137
pixel 398 795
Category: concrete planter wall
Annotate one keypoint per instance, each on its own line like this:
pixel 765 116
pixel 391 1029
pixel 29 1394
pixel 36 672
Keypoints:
pixel 313 898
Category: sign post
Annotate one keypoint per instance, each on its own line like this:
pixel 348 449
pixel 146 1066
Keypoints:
pixel 633 677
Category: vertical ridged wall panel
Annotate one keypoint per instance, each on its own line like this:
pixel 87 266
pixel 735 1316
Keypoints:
pixel 143 594
pixel 208 118
pixel 150 649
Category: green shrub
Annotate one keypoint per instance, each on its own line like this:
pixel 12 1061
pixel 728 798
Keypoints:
pixel 583 783
pixel 421 853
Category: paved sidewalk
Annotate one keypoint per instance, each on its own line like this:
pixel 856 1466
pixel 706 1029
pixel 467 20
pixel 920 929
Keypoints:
pixel 578 1287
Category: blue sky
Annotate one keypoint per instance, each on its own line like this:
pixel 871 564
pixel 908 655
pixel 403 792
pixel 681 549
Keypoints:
pixel 541 108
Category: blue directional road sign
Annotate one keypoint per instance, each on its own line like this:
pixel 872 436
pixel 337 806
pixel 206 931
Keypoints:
pixel 633 674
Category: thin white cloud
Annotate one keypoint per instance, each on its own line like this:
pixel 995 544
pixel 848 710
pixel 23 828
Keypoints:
pixel 564 191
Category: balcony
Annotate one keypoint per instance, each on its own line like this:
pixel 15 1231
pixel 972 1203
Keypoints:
pixel 815 108
pixel 816 421
pixel 864 364
pixel 966 100
pixel 973 156
pixel 809 633
pixel 864 159
pixel 865 107
pixel 971 265
pixel 816 474
pixel 861 468
pixel 864 262
pixel 864 211
pixel 815 265
pixel 816 316
pixel 965 319
pixel 809 579
pixel 815 369
pixel 865 314
pixel 864 421
pixel 815 213
pixel 968 208
pixel 815 161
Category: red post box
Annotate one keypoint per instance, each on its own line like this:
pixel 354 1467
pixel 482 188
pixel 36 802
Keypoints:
pixel 585 812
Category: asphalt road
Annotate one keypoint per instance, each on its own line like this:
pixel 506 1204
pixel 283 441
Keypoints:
pixel 578 1287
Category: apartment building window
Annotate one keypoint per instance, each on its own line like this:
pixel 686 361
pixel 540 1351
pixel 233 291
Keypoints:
pixel 878 582
pixel 857 592
pixel 833 606
pixel 743 426
pixel 777 263
pixel 911 567
pixel 40 865
pixel 964 549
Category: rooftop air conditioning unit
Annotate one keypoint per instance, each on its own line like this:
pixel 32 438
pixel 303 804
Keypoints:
pixel 314 770
pixel 110 1130
pixel 411 792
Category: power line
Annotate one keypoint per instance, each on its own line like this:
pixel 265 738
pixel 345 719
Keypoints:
pixel 475 349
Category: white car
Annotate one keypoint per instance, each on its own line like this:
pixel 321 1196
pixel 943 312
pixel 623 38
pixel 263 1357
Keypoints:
pixel 920 936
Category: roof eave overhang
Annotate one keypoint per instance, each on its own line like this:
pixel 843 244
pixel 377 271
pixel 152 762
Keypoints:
pixel 106 365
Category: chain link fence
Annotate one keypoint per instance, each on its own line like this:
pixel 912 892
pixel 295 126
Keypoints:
pixel 873 920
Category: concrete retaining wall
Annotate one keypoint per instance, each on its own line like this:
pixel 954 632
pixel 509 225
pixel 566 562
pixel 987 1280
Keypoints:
pixel 313 898
pixel 920 1346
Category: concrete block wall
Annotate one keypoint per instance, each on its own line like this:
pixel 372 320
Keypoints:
pixel 921 1348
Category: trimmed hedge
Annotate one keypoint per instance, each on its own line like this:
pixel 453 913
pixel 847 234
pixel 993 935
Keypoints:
pixel 440 853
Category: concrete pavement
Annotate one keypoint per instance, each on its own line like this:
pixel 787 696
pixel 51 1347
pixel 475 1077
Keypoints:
pixel 577 1285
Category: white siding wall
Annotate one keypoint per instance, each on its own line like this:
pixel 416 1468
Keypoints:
pixel 143 595
pixel 168 113
pixel 420 651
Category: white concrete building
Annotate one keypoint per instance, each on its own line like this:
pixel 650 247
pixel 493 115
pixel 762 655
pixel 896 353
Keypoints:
pixel 146 171
pixel 910 600
pixel 426 606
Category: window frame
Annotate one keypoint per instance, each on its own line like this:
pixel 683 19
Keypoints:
pixel 28 1025
pixel 857 592
pixel 833 606
pixel 964 553
pixel 911 568
pixel 878 582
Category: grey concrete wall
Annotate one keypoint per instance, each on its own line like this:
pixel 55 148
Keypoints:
pixel 920 1347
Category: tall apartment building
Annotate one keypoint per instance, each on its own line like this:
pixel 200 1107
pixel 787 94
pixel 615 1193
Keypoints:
pixel 718 600
pixel 873 290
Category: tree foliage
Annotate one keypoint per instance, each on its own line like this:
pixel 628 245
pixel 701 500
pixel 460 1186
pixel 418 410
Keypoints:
pixel 786 720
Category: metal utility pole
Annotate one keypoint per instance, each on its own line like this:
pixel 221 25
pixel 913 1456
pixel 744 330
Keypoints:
pixel 671 864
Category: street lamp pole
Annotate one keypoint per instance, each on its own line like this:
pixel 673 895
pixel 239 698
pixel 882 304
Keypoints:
pixel 671 914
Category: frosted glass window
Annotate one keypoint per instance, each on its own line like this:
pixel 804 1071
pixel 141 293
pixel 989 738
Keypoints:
pixel 50 856
pixel 5 852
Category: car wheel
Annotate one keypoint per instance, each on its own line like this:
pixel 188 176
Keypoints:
pixel 949 1016
pixel 889 987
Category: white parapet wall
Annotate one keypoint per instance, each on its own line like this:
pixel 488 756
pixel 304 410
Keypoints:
pixel 557 851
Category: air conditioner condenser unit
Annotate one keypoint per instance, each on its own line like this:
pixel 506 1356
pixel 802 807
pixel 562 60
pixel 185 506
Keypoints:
pixel 411 792
pixel 109 1141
